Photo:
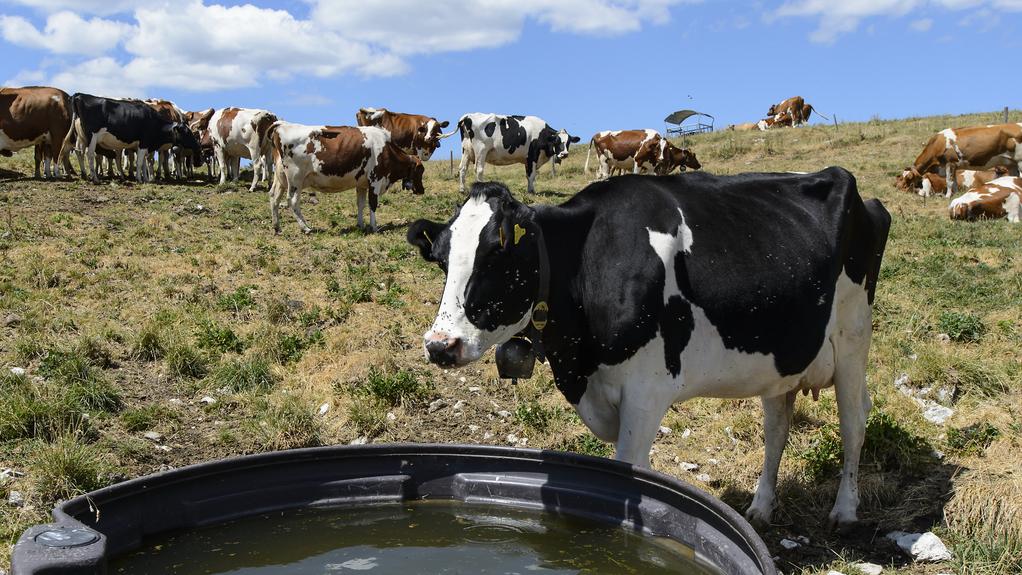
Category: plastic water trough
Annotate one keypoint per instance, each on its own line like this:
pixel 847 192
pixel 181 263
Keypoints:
pixel 90 530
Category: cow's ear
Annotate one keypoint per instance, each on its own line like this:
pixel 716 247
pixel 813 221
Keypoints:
pixel 422 234
pixel 444 124
pixel 575 139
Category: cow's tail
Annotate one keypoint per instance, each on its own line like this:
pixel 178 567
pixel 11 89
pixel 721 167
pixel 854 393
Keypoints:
pixel 811 110
pixel 71 136
pixel 585 170
pixel 458 129
pixel 880 219
pixel 280 181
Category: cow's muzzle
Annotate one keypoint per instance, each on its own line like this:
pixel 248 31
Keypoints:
pixel 442 349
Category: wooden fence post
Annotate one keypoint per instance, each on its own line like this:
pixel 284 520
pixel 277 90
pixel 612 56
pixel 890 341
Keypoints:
pixel 452 164
pixel 1005 114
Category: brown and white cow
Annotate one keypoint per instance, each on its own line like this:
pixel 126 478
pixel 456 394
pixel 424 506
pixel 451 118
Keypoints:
pixel 639 151
pixel 35 116
pixel 241 133
pixel 170 112
pixel 975 147
pixel 969 179
pixel 793 107
pixel 997 199
pixel 416 134
pixel 781 120
pixel 335 159
pixel 198 123
pixel 634 150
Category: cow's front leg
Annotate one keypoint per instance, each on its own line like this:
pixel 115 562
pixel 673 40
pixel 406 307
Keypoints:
pixel 952 179
pixel 777 412
pixel 641 414
pixel 530 173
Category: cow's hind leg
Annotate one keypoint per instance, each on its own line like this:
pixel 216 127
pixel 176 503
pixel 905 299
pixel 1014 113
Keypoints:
pixel 853 403
pixel 360 202
pixel 777 412
pixel 296 208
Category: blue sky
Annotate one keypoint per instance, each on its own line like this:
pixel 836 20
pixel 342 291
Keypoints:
pixel 584 65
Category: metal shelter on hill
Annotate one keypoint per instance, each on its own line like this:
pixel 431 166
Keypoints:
pixel 688 122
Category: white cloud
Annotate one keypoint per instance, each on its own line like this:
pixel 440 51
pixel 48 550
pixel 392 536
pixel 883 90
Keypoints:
pixel 65 33
pixel 837 18
pixel 415 26
pixel 922 25
pixel 194 46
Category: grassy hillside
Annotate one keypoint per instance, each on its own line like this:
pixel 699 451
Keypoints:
pixel 174 310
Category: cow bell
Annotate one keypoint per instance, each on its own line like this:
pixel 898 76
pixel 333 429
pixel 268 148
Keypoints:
pixel 515 359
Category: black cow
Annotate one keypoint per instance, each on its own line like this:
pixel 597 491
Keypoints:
pixel 645 291
pixel 504 140
pixel 122 125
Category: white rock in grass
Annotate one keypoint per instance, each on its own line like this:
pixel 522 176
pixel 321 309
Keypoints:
pixel 475 389
pixel 944 339
pixel 458 405
pixel 664 430
pixel 789 544
pixel 923 547
pixel 869 568
pixel 16 499
pixel 152 436
pixel 686 433
pixel 685 465
pixel 17 371
pixel 704 477
pixel 512 439
pixel 323 409
pixel 937 413
pixel 391 416
pixel 437 405
pixel 359 441
pixel 207 400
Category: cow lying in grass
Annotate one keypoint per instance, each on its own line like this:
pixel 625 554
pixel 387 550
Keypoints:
pixel 1001 198
pixel 646 291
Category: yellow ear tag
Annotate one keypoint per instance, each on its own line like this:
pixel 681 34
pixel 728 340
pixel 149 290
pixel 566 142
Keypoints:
pixel 519 232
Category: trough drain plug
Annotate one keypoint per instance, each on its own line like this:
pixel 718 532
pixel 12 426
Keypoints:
pixel 66 538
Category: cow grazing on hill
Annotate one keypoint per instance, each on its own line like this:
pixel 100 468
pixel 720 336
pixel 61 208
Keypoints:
pixel 241 133
pixel 997 199
pixel 121 126
pixel 505 140
pixel 416 134
pixel 791 106
pixel 35 116
pixel 634 150
pixel 976 147
pixel 936 184
pixel 335 159
pixel 671 288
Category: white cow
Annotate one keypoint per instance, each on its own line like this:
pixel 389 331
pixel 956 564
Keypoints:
pixel 241 133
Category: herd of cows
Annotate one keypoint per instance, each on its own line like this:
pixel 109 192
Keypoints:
pixel 639 291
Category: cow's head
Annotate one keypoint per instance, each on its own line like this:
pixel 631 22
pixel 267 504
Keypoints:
pixel 490 251
pixel 427 138
pixel 556 144
pixel 672 157
pixel 909 179
pixel 413 181
pixel 772 111
pixel 185 138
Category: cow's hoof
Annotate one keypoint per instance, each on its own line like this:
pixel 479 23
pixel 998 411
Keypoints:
pixel 841 523
pixel 759 518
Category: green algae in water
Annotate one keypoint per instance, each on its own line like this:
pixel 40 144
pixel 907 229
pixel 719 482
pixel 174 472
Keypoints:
pixel 421 537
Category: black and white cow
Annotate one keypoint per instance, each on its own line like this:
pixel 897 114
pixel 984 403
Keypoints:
pixel 668 288
pixel 504 140
pixel 121 125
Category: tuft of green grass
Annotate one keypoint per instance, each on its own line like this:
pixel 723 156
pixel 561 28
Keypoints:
pixel 67 468
pixel 289 423
pixel 184 360
pixel 244 374
pixel 535 416
pixel 961 327
pixel 83 382
pixel 149 342
pixel 367 415
pixel 399 388
pixel 971 440
pixel 146 417
pixel 237 301
pixel 214 337
pixel 587 444
pixel 965 373
pixel 888 446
